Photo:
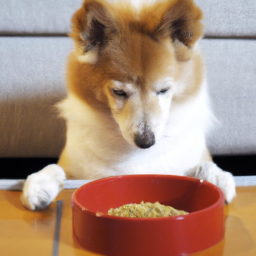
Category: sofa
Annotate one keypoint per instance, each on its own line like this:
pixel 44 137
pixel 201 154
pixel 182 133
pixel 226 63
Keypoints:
pixel 33 49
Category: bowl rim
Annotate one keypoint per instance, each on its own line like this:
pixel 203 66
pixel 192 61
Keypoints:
pixel 219 202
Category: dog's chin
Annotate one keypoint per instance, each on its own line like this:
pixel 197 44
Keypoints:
pixel 144 146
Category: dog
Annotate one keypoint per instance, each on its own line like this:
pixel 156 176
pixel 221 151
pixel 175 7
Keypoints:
pixel 137 100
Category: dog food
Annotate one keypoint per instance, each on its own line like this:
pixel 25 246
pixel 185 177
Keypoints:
pixel 145 210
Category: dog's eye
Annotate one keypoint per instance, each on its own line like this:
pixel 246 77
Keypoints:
pixel 120 93
pixel 163 91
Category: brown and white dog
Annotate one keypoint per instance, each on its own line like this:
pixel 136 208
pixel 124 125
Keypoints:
pixel 137 98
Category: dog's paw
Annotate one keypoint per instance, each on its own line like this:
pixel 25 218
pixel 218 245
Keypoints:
pixel 211 172
pixel 42 187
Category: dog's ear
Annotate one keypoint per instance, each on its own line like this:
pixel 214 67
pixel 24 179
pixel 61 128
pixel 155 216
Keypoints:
pixel 181 20
pixel 92 26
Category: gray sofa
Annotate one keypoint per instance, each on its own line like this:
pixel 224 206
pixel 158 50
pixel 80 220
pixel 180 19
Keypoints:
pixel 33 50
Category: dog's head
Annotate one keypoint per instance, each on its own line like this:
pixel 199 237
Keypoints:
pixel 134 62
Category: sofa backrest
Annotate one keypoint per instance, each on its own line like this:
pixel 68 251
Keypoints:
pixel 33 50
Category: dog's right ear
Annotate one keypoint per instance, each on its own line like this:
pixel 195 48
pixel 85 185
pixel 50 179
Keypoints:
pixel 92 26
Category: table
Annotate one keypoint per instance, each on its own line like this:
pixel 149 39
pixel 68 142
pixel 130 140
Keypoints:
pixel 32 233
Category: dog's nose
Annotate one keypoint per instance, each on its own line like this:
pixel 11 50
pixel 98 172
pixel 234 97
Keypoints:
pixel 145 140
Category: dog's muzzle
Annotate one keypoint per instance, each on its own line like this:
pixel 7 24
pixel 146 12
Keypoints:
pixel 145 140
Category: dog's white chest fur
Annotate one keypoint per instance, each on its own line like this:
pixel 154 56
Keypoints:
pixel 96 148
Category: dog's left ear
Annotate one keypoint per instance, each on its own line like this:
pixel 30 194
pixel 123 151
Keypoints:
pixel 182 22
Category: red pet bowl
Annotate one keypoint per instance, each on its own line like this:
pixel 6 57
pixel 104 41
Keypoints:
pixel 100 233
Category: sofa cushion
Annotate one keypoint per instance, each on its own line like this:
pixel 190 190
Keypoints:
pixel 231 73
pixel 32 73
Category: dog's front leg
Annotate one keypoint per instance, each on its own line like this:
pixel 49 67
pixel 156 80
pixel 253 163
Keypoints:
pixel 42 187
pixel 211 172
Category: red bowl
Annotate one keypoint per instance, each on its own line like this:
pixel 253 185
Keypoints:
pixel 100 233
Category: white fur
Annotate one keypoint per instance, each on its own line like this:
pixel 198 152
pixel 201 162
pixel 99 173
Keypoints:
pixel 137 4
pixel 180 148
pixel 107 153
pixel 90 57
pixel 42 187
pixel 96 149
pixel 212 173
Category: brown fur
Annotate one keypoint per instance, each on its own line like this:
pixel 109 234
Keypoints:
pixel 131 45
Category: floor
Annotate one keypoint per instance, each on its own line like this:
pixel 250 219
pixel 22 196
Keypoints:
pixel 49 232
